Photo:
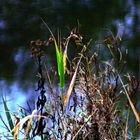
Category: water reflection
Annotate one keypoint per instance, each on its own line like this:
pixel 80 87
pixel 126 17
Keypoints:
pixel 20 23
pixel 12 94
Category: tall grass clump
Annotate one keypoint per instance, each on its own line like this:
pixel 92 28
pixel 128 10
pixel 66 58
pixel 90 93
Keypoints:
pixel 91 105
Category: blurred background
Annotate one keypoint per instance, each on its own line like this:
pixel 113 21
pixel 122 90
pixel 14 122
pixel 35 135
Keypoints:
pixel 20 22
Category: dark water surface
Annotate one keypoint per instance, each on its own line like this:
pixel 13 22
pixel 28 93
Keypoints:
pixel 20 22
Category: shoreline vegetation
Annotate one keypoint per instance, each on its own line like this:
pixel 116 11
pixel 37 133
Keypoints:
pixel 94 104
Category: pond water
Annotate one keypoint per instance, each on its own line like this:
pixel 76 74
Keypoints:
pixel 20 22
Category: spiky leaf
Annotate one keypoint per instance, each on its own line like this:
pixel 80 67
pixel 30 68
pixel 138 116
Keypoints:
pixel 8 115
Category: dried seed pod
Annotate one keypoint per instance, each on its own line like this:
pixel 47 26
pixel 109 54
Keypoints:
pixel 38 47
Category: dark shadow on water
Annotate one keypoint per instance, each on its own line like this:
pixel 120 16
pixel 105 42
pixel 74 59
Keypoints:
pixel 20 22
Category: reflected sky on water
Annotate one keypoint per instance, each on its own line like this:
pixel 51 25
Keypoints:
pixel 20 22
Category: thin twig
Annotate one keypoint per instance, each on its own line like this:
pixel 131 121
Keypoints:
pixel 130 102
pixel 52 93
pixel 126 127
pixel 83 125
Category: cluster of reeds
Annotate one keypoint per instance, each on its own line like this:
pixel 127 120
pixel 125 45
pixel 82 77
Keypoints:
pixel 87 107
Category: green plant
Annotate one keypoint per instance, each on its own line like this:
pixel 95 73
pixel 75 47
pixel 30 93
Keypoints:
pixel 89 109
pixel 8 116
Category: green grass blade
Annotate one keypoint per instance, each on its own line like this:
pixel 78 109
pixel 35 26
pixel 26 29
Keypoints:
pixel 64 60
pixel 8 115
pixel 58 57
pixel 62 75
pixel 60 65
pixel 60 61
pixel 61 68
